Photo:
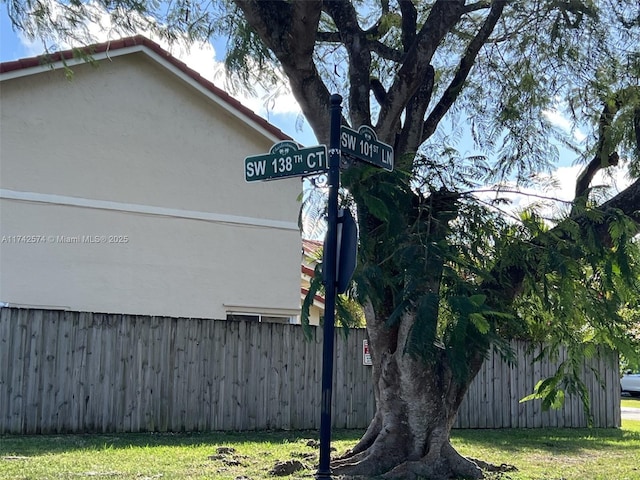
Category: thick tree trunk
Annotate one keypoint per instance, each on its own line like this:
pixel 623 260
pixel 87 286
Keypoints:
pixel 416 405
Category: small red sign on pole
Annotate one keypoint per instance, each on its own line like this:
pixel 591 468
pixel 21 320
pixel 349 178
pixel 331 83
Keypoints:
pixel 366 355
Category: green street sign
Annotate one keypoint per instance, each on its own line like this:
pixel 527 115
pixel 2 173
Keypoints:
pixel 286 159
pixel 364 145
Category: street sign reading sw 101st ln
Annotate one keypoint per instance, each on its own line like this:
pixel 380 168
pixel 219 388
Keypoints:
pixel 286 159
pixel 364 145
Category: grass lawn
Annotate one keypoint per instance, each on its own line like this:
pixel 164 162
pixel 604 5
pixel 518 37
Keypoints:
pixel 558 454
pixel 540 454
pixel 630 402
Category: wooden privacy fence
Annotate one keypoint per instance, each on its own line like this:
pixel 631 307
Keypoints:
pixel 87 372
pixel 493 399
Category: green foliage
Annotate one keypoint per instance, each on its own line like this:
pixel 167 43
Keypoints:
pixel 315 288
pixel 630 351
pixel 567 380
pixel 548 390
pixel 578 297
pixel 349 313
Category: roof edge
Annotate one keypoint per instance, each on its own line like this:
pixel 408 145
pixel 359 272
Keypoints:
pixel 58 59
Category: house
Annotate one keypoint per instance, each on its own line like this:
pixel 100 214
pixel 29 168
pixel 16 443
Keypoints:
pixel 311 256
pixel 122 191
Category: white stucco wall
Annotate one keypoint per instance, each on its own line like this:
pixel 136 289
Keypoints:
pixel 131 156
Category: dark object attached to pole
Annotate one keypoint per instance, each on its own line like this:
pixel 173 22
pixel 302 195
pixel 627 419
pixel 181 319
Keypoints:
pixel 346 251
pixel 330 276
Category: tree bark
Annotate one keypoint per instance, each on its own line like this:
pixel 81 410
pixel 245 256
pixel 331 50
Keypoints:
pixel 289 30
pixel 416 406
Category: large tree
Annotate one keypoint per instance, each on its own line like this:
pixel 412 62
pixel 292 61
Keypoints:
pixel 447 270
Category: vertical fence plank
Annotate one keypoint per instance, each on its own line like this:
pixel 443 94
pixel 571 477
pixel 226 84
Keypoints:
pixel 507 368
pixel 310 379
pixel 264 368
pixel 271 378
pixel 19 336
pixel 547 417
pixel 250 400
pixel 279 400
pixel 32 369
pixel 122 354
pixel 63 372
pixel 318 379
pixel 78 377
pixel 296 380
pixel 17 340
pixel 514 406
pixel 338 410
pixel 482 401
pixel 239 382
pixel 160 386
pixel 499 384
pixel 614 383
pixel 7 365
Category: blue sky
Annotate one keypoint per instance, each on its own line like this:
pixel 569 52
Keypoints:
pixel 10 46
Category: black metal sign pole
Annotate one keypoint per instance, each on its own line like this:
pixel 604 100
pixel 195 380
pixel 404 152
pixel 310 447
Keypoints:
pixel 330 274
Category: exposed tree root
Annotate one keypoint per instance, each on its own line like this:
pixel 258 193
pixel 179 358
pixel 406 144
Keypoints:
pixel 375 462
pixel 445 467
pixel 366 464
pixel 368 438
pixel 380 457
pixel 490 467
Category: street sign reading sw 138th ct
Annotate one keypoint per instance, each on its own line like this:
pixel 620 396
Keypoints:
pixel 364 145
pixel 286 159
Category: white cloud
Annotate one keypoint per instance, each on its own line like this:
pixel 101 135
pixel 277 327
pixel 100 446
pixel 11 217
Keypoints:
pixel 614 179
pixel 266 103
pixel 266 98
pixel 200 56
pixel 31 47
pixel 552 200
pixel 557 119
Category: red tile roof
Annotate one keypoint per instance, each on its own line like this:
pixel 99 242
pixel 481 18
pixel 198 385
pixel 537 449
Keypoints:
pixel 316 298
pixel 310 272
pixel 310 247
pixel 139 40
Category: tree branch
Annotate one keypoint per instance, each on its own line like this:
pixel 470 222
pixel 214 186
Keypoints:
pixel 628 202
pixel 409 23
pixel 412 129
pixel 605 156
pixel 386 52
pixel 636 127
pixel 355 41
pixel 474 7
pixel 289 31
pixel 586 176
pixel 443 16
pixel 464 68
pixel 328 37
pixel 506 282
pixel 378 90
